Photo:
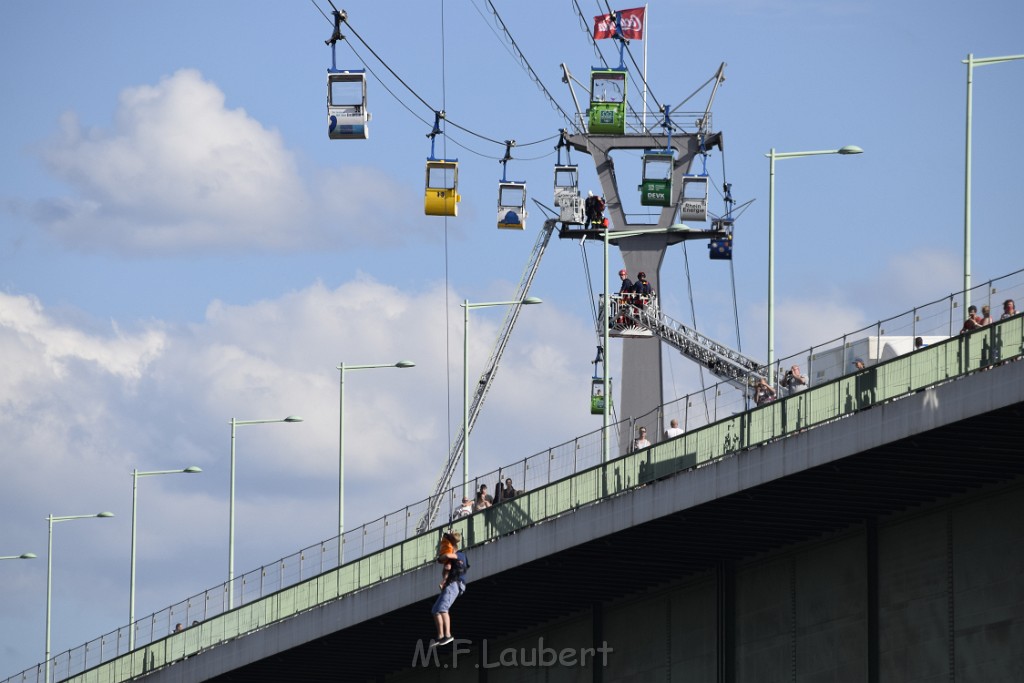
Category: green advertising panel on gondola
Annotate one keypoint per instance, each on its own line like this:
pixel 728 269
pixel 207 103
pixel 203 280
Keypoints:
pixel 656 181
pixel 597 395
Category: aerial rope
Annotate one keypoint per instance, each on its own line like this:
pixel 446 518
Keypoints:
pixel 624 46
pixel 526 65
pixel 341 17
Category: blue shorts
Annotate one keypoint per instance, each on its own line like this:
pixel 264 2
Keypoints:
pixel 447 597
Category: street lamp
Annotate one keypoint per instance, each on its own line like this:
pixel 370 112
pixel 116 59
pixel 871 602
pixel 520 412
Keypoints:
pixel 23 556
pixel 607 236
pixel 231 501
pixel 341 437
pixel 49 574
pixel 131 583
pixel 971 62
pixel 466 306
pixel 772 156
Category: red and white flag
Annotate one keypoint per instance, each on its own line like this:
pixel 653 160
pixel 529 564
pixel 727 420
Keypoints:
pixel 632 24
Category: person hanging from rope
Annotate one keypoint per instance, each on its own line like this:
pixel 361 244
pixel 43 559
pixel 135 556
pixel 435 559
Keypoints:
pixel 453 584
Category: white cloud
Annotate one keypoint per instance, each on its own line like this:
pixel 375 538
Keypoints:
pixel 179 171
pixel 34 333
pixel 83 408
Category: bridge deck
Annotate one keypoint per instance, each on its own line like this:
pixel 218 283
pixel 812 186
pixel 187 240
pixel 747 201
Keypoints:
pixel 658 524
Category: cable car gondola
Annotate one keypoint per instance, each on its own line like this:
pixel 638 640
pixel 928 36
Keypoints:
pixel 567 186
pixel 597 395
pixel 346 95
pixel 511 196
pixel 656 180
pixel 512 205
pixel 567 194
pixel 693 199
pixel 607 114
pixel 346 105
pixel 441 197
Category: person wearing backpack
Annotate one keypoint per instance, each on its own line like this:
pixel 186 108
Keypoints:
pixel 453 584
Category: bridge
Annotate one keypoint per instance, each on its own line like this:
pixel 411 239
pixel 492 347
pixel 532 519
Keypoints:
pixel 869 528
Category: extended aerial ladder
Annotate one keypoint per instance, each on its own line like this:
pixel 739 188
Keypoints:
pixel 631 317
pixel 486 377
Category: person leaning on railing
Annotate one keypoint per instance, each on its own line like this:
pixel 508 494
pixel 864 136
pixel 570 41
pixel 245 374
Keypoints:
pixel 1009 309
pixel 794 382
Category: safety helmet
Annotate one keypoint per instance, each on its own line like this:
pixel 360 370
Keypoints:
pixel 623 272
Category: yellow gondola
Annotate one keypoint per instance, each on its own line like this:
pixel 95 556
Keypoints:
pixel 441 197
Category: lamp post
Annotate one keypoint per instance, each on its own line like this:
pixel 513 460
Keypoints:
pixel 131 583
pixel 231 500
pixel 608 236
pixel 23 556
pixel 466 306
pixel 341 437
pixel 51 519
pixel 971 62
pixel 772 156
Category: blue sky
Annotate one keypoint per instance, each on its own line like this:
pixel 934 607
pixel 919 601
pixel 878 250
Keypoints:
pixel 180 243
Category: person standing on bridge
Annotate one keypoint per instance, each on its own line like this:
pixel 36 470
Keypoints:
pixel 973 321
pixel 1009 309
pixel 794 381
pixel 641 442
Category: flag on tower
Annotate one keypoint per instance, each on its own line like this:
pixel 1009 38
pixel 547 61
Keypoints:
pixel 632 21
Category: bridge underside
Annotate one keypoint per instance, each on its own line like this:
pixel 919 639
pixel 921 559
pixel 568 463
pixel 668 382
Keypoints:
pixel 854 492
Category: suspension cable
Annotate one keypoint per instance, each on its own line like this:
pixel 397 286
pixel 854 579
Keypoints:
pixel 529 69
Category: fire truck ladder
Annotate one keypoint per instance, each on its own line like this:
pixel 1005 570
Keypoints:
pixel 732 366
pixel 486 377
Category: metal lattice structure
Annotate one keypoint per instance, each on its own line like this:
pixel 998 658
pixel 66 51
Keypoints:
pixel 632 318
pixel 487 376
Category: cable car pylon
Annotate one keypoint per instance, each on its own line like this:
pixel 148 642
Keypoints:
pixel 640 381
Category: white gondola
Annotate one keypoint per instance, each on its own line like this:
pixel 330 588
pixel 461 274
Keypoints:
pixel 347 117
pixel 511 196
pixel 693 198
pixel 567 194
pixel 512 205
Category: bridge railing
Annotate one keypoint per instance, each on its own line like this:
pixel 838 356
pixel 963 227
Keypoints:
pixel 555 481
